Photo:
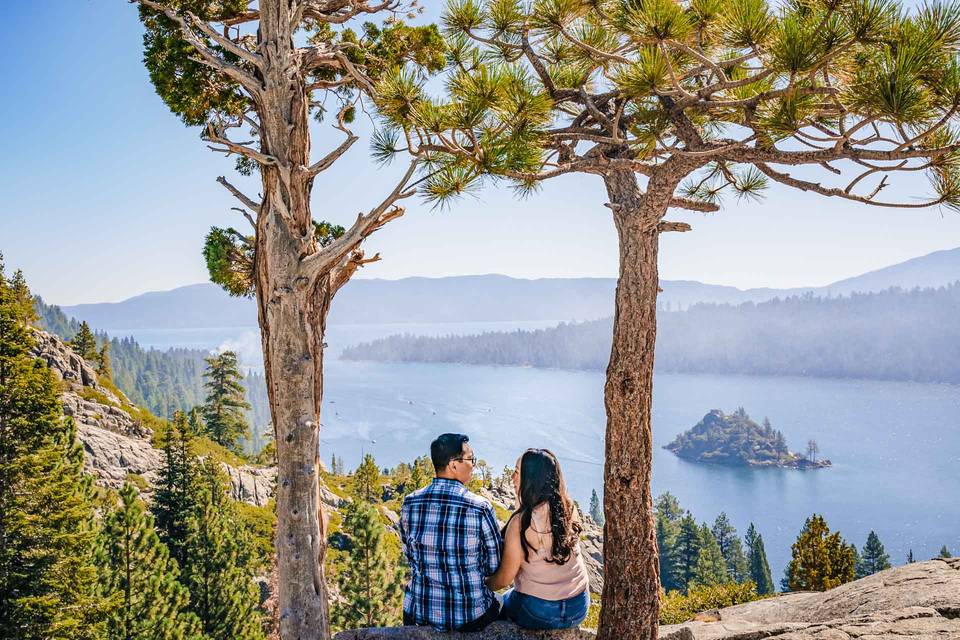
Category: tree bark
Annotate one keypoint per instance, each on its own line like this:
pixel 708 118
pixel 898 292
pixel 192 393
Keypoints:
pixel 292 307
pixel 631 563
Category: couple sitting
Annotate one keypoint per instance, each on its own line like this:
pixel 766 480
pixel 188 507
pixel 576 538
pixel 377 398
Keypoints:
pixel 459 556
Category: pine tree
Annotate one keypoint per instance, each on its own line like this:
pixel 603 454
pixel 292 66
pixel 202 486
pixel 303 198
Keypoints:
pixel 85 343
pixel 367 479
pixel 821 560
pixel 686 552
pixel 757 559
pixel 104 368
pixel 596 509
pixel 668 515
pixel 944 552
pixel 667 506
pixel 218 568
pixel 195 422
pixel 174 500
pixel 333 464
pixel 371 586
pixel 731 548
pixel 224 410
pixel 47 575
pixel 874 558
pixel 711 566
pixel 666 539
pixel 136 569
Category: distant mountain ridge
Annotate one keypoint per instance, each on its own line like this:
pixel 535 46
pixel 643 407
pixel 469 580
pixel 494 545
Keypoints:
pixel 483 298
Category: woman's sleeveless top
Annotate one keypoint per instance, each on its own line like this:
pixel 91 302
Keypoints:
pixel 543 579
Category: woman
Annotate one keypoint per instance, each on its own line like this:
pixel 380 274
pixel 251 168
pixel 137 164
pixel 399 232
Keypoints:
pixel 541 550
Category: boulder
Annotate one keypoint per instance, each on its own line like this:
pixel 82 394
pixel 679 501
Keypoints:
pixel 110 457
pixel 918 601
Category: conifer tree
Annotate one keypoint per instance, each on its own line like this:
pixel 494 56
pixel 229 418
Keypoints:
pixel 104 368
pixel 711 566
pixel 672 105
pixel 85 343
pixel 820 560
pixel 731 548
pixel 218 568
pixel 757 559
pixel 668 515
pixel 596 509
pixel 195 422
pixel 271 67
pixel 175 498
pixel 367 479
pixel 873 558
pixel 224 411
pixel 48 587
pixel 20 295
pixel 135 568
pixel 686 552
pixel 944 552
pixel 370 584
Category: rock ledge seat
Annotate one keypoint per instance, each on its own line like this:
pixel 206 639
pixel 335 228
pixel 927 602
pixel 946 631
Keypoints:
pixel 919 601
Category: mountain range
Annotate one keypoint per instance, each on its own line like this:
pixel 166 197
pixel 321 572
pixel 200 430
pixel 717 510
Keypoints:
pixel 483 298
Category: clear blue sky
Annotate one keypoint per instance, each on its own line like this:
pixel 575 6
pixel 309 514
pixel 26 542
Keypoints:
pixel 106 194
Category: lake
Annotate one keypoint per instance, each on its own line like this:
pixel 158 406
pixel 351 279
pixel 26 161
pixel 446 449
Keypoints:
pixel 895 446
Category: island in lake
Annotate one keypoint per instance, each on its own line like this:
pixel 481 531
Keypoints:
pixel 737 440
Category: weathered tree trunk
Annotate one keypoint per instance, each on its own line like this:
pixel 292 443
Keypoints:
pixel 631 564
pixel 292 306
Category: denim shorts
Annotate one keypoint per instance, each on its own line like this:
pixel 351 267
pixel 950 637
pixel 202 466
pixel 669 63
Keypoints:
pixel 531 612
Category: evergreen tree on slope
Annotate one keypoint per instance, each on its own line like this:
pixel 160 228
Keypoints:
pixel 47 576
pixel 136 569
pixel 174 500
pixel 371 586
pixel 874 557
pixel 224 410
pixel 732 548
pixel 757 559
pixel 711 566
pixel 218 569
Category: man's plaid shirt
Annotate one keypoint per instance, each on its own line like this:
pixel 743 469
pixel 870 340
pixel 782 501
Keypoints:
pixel 452 542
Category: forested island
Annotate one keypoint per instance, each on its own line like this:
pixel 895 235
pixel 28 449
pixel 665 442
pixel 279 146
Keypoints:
pixel 891 335
pixel 737 440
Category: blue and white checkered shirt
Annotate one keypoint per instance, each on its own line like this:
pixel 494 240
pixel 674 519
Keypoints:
pixel 452 542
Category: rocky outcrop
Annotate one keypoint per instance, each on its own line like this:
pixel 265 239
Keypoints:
pixel 116 444
pixel 251 484
pixel 65 363
pixel 918 601
pixel 111 457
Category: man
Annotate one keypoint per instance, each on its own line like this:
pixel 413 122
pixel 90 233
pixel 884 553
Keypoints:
pixel 452 543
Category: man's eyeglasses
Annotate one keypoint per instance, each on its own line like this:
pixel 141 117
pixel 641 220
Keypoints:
pixel 472 460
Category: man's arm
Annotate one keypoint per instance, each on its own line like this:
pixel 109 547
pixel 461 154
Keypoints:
pixel 490 540
pixel 404 528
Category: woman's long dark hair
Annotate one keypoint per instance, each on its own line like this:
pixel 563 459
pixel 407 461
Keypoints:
pixel 541 481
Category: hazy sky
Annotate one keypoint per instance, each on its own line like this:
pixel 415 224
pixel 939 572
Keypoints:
pixel 106 194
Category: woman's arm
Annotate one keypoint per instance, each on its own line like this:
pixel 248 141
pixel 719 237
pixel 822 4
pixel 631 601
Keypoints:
pixel 511 559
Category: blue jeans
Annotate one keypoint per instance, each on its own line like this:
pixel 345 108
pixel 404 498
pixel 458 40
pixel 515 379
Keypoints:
pixel 531 612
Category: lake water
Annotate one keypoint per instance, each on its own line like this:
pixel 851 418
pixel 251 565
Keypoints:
pixel 895 447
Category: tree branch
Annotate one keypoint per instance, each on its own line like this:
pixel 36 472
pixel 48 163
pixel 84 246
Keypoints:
pixel 247 201
pixel 694 205
pixel 327 161
pixel 805 185
pixel 208 56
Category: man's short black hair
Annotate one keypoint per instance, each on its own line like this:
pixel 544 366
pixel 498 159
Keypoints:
pixel 445 448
